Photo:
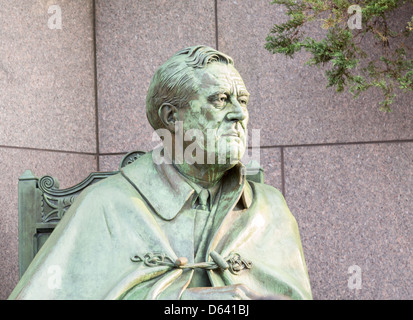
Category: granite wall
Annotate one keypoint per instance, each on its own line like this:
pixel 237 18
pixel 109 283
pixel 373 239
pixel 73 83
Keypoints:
pixel 73 101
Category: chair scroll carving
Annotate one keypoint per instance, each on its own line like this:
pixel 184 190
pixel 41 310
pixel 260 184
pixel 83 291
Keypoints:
pixel 55 202
pixel 42 205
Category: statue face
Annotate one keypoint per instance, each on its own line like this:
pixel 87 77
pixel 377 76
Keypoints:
pixel 219 111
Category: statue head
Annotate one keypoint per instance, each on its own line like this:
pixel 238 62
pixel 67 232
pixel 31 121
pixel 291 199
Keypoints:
pixel 199 88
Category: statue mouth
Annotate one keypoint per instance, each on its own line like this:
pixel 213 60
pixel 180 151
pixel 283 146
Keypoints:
pixel 231 134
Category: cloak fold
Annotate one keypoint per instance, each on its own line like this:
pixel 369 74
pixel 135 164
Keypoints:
pixel 98 249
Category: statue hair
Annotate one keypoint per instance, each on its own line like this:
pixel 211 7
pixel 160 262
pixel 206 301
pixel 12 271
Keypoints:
pixel 174 82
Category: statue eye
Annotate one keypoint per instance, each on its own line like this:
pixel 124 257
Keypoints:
pixel 219 100
pixel 243 101
pixel 222 97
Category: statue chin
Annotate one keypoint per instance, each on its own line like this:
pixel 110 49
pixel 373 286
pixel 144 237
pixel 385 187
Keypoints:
pixel 231 155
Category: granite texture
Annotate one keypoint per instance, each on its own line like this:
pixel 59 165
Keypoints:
pixel 47 76
pixel 353 204
pixel 110 162
pixel 133 39
pixel 270 161
pixel 70 169
pixel 289 101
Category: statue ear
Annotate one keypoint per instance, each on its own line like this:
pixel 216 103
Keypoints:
pixel 168 114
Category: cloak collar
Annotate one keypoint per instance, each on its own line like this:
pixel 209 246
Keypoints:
pixel 167 191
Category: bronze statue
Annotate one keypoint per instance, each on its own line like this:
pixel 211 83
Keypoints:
pixel 182 221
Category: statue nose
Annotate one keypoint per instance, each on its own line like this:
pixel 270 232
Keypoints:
pixel 237 113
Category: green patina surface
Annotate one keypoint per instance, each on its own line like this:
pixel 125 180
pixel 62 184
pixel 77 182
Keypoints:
pixel 147 233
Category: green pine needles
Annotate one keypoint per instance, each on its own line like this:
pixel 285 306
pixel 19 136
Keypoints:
pixel 347 24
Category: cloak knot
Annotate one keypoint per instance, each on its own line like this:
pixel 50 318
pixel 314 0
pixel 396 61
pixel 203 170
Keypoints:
pixel 234 263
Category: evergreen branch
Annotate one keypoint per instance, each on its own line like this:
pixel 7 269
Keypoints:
pixel 341 48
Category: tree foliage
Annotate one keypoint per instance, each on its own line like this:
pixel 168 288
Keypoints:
pixel 341 49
